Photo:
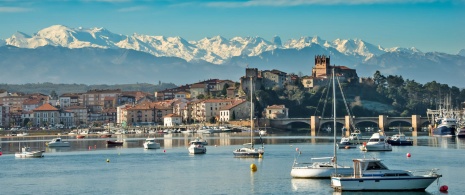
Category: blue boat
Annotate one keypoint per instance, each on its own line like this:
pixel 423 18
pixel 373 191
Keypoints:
pixel 446 128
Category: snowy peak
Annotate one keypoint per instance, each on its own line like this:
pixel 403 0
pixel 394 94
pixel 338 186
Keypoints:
pixel 216 49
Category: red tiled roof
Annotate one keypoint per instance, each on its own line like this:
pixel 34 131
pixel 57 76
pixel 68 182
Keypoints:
pixel 46 107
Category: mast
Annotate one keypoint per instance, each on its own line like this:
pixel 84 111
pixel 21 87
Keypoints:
pixel 334 122
pixel 251 113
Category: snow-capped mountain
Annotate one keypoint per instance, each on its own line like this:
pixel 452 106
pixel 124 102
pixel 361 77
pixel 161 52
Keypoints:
pixel 96 55
pixel 216 50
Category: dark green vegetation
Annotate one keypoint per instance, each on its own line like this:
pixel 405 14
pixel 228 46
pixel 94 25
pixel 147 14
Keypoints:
pixel 391 95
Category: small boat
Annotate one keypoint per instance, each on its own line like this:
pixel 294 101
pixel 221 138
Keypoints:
pixel 80 136
pixel 352 141
pixel 26 152
pixel 57 142
pixel 377 142
pixel 151 144
pixel 197 147
pixel 250 152
pixel 105 136
pixel 373 175
pixel 114 143
pixel 400 140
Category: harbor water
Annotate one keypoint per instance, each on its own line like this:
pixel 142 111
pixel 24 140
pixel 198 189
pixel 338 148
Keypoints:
pixel 90 167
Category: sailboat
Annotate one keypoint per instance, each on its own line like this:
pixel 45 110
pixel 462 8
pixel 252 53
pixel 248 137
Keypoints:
pixel 318 168
pixel 250 152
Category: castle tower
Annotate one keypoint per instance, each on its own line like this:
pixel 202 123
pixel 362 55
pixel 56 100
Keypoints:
pixel 322 66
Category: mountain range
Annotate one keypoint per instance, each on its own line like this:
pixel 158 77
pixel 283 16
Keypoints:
pixel 61 54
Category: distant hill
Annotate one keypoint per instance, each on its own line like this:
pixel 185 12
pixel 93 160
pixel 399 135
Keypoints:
pixel 47 88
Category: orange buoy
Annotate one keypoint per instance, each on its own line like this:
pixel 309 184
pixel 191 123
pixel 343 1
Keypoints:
pixel 443 188
pixel 164 150
pixel 347 147
pixel 296 149
pixel 364 144
pixel 408 155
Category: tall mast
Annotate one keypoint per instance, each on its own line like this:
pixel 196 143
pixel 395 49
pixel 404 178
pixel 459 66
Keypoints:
pixel 251 113
pixel 334 122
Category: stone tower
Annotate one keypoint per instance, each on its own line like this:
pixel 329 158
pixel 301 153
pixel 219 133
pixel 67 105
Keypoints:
pixel 322 66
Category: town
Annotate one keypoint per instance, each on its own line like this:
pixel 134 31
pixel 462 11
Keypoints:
pixel 211 101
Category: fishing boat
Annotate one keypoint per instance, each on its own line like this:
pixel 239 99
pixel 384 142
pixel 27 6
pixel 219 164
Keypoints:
pixel 327 167
pixel 377 142
pixel 151 144
pixel 373 175
pixel 26 152
pixel 197 146
pixel 446 127
pixel 57 142
pixel 250 152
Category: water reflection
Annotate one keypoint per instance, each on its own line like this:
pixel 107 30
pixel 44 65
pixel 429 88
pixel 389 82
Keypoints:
pixel 168 141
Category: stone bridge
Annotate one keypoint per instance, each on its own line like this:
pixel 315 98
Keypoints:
pixel 383 121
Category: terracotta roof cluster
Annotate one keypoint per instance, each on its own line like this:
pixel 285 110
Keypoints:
pixel 275 107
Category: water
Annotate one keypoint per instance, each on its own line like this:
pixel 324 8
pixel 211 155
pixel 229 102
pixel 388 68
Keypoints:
pixel 172 170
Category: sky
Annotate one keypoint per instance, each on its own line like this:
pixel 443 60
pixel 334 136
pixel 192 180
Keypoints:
pixel 428 25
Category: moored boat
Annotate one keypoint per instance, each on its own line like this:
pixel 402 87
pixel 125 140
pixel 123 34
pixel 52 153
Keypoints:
pixel 197 147
pixel 460 132
pixel 57 142
pixel 377 142
pixel 114 143
pixel 373 175
pixel 400 140
pixel 446 127
pixel 80 136
pixel 329 166
pixel 151 144
pixel 26 152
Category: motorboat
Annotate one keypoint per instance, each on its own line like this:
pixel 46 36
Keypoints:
pixel 105 136
pixel 26 152
pixel 57 142
pixel 446 127
pixel 114 143
pixel 377 142
pixel 250 152
pixel 352 141
pixel 197 147
pixel 373 175
pixel 151 144
pixel 80 136
pixel 400 140
pixel 322 167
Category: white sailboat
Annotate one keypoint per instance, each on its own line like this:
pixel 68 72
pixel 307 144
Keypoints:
pixel 250 152
pixel 318 168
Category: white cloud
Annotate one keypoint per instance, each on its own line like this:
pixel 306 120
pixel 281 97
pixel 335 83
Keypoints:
pixel 13 9
pixel 132 9
pixel 290 3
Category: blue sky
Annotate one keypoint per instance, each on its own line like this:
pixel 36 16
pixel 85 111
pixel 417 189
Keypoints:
pixel 428 25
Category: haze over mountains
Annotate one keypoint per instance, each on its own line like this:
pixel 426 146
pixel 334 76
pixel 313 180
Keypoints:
pixel 60 54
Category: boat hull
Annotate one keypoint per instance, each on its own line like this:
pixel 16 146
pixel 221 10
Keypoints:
pixel 400 143
pixel 310 172
pixel 444 131
pixel 197 150
pixel 377 147
pixel 114 143
pixel 33 154
pixel 55 145
pixel 151 146
pixel 248 153
pixel 417 183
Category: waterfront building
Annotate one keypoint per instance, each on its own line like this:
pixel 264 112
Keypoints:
pixel 172 120
pixel 276 111
pixel 46 115
pixel 236 111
